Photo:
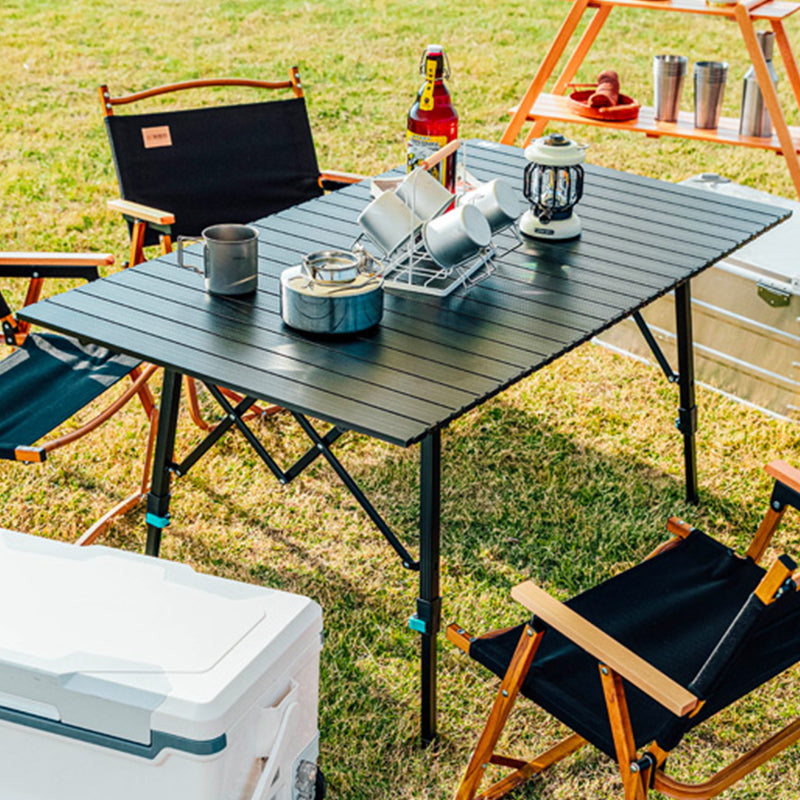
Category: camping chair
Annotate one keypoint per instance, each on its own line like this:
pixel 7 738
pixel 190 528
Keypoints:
pixel 634 663
pixel 46 379
pixel 180 171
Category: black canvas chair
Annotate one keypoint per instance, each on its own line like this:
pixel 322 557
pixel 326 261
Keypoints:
pixel 633 664
pixel 180 171
pixel 47 379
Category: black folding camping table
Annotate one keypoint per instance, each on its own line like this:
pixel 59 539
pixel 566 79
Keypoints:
pixel 432 358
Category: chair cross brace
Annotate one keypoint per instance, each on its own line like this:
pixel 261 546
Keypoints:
pixel 321 446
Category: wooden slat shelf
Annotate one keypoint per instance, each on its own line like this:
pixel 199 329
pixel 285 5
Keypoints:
pixel 769 10
pixel 555 107
pixel 540 108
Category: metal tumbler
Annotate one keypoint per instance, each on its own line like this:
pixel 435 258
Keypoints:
pixel 709 87
pixel 668 75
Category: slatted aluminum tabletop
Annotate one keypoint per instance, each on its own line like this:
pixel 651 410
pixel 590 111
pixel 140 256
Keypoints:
pixel 432 358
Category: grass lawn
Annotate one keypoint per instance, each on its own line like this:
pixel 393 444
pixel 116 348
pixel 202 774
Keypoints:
pixel 568 477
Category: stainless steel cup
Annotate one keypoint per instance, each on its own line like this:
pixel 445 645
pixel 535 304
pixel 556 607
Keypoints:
pixel 388 221
pixel 423 194
pixel 497 202
pixel 230 258
pixel 709 87
pixel 455 236
pixel 668 74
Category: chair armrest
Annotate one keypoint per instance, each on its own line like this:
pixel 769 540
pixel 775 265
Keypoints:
pixel 142 212
pixel 606 649
pixel 785 473
pixel 53 265
pixel 333 179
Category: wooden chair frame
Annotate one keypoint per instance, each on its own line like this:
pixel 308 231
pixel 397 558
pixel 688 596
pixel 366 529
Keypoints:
pixel 638 772
pixel 141 216
pixel 37 267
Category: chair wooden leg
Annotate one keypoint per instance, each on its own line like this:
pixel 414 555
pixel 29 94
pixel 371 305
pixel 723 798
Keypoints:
pixel 131 501
pixel 635 785
pixel 136 252
pixel 772 519
pixel 733 772
pixel 525 770
pixel 194 406
pixel 504 702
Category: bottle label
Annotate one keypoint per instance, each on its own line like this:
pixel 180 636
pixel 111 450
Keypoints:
pixel 426 98
pixel 419 147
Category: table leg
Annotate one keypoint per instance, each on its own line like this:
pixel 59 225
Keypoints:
pixel 687 413
pixel 158 497
pixel 429 603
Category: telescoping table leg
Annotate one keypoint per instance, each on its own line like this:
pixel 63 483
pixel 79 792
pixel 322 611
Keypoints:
pixel 158 497
pixel 429 603
pixel 687 413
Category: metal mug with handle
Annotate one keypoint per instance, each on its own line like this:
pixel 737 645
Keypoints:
pixel 230 258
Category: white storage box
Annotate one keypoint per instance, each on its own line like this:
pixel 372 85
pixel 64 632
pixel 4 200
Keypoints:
pixel 745 313
pixel 125 677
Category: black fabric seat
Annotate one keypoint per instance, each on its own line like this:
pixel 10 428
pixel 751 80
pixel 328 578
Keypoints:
pixel 671 610
pixel 222 164
pixel 634 663
pixel 56 376
pixel 47 378
pixel 183 170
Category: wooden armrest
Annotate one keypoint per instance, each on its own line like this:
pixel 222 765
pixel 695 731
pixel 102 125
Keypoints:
pixel 341 177
pixel 785 473
pixel 144 213
pixel 606 649
pixel 9 259
pixel 53 265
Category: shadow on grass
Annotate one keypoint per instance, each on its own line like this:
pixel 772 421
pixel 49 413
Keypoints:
pixel 520 498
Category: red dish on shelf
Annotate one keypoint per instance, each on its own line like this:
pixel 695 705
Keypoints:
pixel 626 108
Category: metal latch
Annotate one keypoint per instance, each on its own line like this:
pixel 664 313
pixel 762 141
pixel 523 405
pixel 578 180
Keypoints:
pixel 774 296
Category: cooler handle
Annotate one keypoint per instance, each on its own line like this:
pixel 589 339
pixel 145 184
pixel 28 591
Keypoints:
pixel 283 711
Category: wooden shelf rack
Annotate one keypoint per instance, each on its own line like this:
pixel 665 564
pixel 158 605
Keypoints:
pixel 540 107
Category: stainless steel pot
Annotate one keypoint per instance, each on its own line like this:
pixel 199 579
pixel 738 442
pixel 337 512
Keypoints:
pixel 320 296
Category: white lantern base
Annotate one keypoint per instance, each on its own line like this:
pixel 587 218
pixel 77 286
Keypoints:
pixel 568 228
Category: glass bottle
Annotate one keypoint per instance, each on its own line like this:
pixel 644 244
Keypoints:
pixel 432 120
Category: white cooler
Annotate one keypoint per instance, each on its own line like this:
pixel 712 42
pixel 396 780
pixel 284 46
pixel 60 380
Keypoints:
pixel 125 677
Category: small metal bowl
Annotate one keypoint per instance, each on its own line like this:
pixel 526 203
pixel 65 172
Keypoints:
pixel 332 266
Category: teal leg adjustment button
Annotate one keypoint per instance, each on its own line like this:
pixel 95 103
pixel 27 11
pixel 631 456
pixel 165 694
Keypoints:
pixel 156 521
pixel 417 624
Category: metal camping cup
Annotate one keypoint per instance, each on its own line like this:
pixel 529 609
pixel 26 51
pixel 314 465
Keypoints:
pixel 423 194
pixel 388 221
pixel 497 202
pixel 709 86
pixel 668 75
pixel 230 258
pixel 456 235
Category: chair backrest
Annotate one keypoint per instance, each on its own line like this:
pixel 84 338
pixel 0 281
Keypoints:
pixel 232 163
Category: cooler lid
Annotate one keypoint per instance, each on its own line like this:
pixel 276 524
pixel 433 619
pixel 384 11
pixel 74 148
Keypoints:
pixel 774 253
pixel 99 638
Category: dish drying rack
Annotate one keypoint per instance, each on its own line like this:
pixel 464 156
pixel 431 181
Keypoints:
pixel 409 266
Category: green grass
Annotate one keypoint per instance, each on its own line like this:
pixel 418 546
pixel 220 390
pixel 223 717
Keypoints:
pixel 568 477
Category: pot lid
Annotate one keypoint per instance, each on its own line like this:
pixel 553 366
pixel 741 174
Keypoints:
pixel 296 280
pixel 555 150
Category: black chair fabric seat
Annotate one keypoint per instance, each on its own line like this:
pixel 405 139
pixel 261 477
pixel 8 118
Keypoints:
pixel 671 610
pixel 47 380
pixel 251 160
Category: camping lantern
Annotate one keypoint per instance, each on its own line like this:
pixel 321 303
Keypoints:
pixel 553 185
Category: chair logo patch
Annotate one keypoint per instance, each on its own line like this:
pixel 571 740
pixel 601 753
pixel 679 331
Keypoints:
pixel 157 137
